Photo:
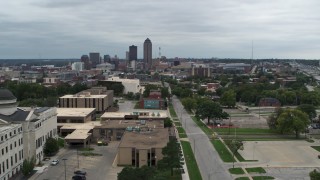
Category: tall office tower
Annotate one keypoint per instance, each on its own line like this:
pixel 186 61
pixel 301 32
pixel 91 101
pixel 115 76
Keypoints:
pixel 133 52
pixel 107 58
pixel 127 55
pixel 94 58
pixel 86 62
pixel 147 54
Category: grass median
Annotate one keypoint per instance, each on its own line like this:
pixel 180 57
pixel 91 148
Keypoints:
pixel 259 170
pixel 172 112
pixel 222 150
pixel 193 169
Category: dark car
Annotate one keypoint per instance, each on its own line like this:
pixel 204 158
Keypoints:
pixel 79 177
pixel 80 172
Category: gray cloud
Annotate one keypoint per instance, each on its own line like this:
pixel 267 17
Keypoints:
pixel 183 28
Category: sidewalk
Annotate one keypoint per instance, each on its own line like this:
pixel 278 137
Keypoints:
pixel 184 176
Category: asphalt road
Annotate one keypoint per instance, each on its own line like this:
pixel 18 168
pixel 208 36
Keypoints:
pixel 210 165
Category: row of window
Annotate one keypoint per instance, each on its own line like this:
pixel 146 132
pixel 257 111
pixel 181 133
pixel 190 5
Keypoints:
pixel 10 134
pixel 12 145
pixel 5 165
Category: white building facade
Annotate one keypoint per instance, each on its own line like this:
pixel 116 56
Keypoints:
pixel 130 85
pixel 38 127
pixel 11 149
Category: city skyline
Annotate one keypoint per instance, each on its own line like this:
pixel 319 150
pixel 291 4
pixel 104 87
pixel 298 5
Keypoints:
pixel 222 29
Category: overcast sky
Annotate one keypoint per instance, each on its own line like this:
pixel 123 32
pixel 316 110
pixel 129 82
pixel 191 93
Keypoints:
pixel 182 28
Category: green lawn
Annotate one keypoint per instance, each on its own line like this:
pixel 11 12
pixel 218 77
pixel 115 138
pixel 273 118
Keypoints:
pixel 316 148
pixel 181 130
pixel 183 135
pixel 242 178
pixel 193 169
pixel 222 150
pixel 256 170
pixel 172 112
pixel 236 171
pixel 262 177
pixel 177 123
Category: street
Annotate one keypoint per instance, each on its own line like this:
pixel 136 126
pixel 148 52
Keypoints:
pixel 210 165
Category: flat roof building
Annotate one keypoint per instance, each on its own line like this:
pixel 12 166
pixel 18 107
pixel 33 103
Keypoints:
pixel 142 148
pixel 112 130
pixel 142 114
pixel 75 115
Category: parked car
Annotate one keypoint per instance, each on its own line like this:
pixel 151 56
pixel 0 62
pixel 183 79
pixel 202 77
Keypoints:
pixel 80 172
pixel 79 177
pixel 54 162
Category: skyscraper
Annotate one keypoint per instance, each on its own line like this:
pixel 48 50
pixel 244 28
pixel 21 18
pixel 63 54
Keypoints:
pixel 86 61
pixel 147 54
pixel 94 58
pixel 133 52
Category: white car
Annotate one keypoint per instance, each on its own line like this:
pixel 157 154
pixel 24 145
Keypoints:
pixel 54 162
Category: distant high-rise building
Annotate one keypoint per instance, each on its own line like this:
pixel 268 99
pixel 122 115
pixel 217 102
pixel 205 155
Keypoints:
pixel 94 58
pixel 147 54
pixel 77 66
pixel 133 52
pixel 107 58
pixel 127 55
pixel 86 62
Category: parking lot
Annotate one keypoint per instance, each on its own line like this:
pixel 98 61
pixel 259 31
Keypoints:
pixel 97 167
pixel 281 153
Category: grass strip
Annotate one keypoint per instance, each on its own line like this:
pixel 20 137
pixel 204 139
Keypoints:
pixel 172 112
pixel 182 135
pixel 222 150
pixel 181 130
pixel 262 177
pixel 202 126
pixel 256 170
pixel 316 148
pixel 236 171
pixel 177 123
pixel 242 178
pixel 193 169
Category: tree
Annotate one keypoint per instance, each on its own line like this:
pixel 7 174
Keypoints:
pixel 171 156
pixel 189 103
pixel 314 175
pixel 167 122
pixel 234 146
pixel 131 173
pixel 272 120
pixel 201 91
pixel 51 147
pixel 308 109
pixel 27 166
pixel 228 98
pixel 292 120
pixel 208 109
pixel 117 88
pixel 165 92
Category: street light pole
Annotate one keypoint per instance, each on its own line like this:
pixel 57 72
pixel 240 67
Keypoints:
pixel 78 157
pixel 65 168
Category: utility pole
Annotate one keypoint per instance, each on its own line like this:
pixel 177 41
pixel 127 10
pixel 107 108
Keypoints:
pixel 78 158
pixel 194 147
pixel 65 168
